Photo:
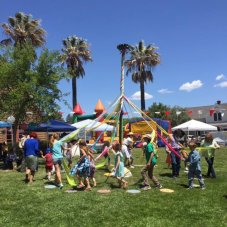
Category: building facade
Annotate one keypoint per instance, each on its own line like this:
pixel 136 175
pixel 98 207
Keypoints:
pixel 215 115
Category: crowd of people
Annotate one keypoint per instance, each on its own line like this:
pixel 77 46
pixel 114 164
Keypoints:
pixel 84 169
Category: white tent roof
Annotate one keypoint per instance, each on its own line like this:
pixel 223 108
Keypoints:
pixel 93 125
pixel 194 125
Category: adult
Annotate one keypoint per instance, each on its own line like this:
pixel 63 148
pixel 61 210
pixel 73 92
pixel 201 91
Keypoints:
pixel 20 153
pixel 57 155
pixel 5 154
pixel 209 153
pixel 175 159
pixel 151 160
pixel 31 152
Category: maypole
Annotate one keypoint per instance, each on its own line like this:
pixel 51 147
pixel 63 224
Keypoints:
pixel 123 48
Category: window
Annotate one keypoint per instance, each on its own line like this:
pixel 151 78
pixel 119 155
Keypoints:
pixel 215 116
pixel 219 116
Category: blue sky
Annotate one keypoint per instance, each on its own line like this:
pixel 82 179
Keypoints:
pixel 191 36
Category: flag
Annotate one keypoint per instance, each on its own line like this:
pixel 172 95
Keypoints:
pixel 157 112
pixel 167 113
pixel 200 112
pixel 178 113
pixel 189 112
pixel 211 112
pixel 222 114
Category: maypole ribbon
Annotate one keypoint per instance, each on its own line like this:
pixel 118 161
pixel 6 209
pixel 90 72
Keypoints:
pixel 159 135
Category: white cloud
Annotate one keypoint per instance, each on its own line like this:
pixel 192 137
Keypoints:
pixel 136 96
pixel 222 84
pixel 191 86
pixel 164 91
pixel 108 102
pixel 221 77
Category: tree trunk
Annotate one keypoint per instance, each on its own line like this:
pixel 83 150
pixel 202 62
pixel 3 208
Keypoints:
pixel 142 94
pixel 74 92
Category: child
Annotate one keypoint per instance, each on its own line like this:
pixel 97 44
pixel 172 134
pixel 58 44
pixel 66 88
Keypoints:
pixel 92 168
pixel 119 165
pixel 168 157
pixel 194 166
pixel 127 151
pixel 106 145
pixel 150 163
pixel 211 145
pixel 49 163
pixel 82 168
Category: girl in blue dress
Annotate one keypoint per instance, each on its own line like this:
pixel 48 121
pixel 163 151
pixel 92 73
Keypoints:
pixel 82 168
pixel 119 165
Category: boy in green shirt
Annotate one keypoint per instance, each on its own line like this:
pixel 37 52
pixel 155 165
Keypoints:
pixel 151 160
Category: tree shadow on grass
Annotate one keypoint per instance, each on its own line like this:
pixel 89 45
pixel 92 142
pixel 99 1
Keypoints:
pixel 225 196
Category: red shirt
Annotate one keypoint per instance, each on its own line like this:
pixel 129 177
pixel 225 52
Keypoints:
pixel 49 160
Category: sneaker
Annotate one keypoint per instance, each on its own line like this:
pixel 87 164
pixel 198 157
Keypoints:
pixel 203 188
pixel 159 186
pixel 60 186
pixel 132 167
pixel 189 188
pixel 145 188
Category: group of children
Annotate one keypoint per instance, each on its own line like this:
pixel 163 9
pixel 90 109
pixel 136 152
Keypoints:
pixel 193 159
pixel 84 169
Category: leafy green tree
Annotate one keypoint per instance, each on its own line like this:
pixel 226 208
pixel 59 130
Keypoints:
pixel 74 54
pixel 177 114
pixel 23 29
pixel 142 60
pixel 28 83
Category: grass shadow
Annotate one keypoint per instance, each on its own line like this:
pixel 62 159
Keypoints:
pixel 184 185
pixel 166 175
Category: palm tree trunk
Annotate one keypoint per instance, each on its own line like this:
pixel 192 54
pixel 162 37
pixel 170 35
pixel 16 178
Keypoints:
pixel 142 93
pixel 74 92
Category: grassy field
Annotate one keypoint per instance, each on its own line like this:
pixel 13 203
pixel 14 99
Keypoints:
pixel 33 205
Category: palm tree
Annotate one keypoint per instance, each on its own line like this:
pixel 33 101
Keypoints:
pixel 23 29
pixel 75 53
pixel 142 61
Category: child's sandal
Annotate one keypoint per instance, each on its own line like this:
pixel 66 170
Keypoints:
pixel 80 186
pixel 125 185
pixel 87 189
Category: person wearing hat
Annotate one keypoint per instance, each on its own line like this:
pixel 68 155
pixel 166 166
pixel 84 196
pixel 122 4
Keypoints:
pixel 127 151
pixel 151 159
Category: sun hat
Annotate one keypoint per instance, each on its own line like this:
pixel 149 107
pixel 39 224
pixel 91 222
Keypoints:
pixel 130 134
pixel 147 136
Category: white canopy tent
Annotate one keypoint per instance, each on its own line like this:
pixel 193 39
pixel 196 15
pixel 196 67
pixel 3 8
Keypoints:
pixel 93 125
pixel 194 125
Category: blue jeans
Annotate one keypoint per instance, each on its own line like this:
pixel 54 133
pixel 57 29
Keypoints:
pixel 175 164
pixel 210 171
pixel 195 172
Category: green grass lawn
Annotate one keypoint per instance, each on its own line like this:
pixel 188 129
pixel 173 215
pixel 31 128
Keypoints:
pixel 33 205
